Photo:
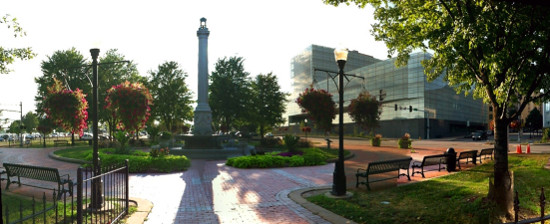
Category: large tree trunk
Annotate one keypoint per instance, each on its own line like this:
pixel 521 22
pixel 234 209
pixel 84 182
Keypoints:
pixel 502 189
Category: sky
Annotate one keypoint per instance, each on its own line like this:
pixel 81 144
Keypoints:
pixel 267 34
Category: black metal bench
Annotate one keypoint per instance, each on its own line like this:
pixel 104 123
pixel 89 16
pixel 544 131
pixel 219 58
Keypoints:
pixel 485 153
pixel 60 142
pixel 467 155
pixel 38 173
pixel 383 167
pixel 2 172
pixel 430 161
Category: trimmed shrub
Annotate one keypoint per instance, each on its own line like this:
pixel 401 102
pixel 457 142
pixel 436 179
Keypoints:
pixel 141 164
pixel 377 140
pixel 405 142
pixel 312 158
pixel 291 142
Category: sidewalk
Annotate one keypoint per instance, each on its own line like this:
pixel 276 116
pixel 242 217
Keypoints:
pixel 210 192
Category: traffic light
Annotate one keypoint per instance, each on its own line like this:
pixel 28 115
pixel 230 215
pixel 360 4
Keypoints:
pixel 410 108
pixel 382 95
pixel 395 107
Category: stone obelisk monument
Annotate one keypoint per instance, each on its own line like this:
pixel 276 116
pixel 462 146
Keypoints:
pixel 203 114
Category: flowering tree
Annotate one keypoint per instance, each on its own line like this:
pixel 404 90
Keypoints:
pixel 67 108
pixel 365 110
pixel 130 105
pixel 319 106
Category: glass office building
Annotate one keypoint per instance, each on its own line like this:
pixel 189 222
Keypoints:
pixel 313 66
pixel 437 110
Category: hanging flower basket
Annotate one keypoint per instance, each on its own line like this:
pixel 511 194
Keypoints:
pixel 365 111
pixel 130 104
pixel 67 108
pixel 319 106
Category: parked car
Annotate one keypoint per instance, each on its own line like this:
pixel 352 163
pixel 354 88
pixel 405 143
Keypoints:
pixel 1 139
pixel 479 135
pixel 87 136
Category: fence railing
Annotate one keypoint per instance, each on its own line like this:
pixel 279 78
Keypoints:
pixel 101 199
pixel 542 204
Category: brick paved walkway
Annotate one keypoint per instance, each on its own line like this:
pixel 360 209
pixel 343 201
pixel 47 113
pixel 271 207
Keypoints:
pixel 210 192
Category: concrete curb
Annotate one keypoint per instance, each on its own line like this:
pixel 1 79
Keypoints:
pixel 144 207
pixel 297 197
pixel 65 159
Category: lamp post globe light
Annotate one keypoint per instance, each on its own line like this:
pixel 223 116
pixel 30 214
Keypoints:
pixel 339 176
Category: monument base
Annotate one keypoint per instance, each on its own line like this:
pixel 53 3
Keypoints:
pixel 201 141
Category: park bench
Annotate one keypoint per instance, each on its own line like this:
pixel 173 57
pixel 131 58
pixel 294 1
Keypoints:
pixel 2 172
pixel 467 155
pixel 60 142
pixel 383 167
pixel 430 161
pixel 485 152
pixel 38 173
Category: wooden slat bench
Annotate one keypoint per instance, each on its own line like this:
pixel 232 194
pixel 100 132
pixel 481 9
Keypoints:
pixel 38 173
pixel 467 155
pixel 430 161
pixel 60 142
pixel 383 167
pixel 485 153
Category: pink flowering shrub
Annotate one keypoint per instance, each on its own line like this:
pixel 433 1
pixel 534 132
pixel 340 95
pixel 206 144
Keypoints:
pixel 319 106
pixel 67 108
pixel 130 105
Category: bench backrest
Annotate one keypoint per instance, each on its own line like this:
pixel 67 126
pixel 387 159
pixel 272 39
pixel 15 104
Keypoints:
pixel 467 154
pixel 434 160
pixel 33 172
pixel 488 151
pixel 388 165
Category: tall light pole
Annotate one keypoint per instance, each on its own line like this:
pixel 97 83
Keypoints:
pixel 339 176
pixel 97 194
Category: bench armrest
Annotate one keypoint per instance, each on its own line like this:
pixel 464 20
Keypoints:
pixel 359 169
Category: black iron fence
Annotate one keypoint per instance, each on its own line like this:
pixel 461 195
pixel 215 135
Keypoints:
pixel 101 199
pixel 542 204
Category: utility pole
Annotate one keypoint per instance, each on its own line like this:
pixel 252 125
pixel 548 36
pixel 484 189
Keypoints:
pixel 21 124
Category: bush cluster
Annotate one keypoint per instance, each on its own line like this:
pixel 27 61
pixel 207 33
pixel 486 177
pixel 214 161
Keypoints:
pixel 271 142
pixel 141 162
pixel 310 157
pixel 377 140
pixel 405 142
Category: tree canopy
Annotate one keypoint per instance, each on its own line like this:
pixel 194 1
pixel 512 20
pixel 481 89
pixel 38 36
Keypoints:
pixel 229 92
pixel 113 71
pixel 8 55
pixel 171 95
pixel 497 50
pixel 30 122
pixel 365 110
pixel 268 104
pixel 67 66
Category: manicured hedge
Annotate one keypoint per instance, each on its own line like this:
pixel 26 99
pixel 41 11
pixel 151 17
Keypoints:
pixel 139 162
pixel 310 157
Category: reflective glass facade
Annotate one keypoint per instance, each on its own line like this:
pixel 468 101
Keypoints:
pixel 449 113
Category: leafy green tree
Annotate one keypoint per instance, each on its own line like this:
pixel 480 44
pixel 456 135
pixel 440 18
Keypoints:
pixel 499 50
pixel 45 127
pixel 15 127
pixel 110 74
pixel 67 66
pixel 8 55
pixel 30 121
pixel 268 102
pixel 230 92
pixel 171 95
pixel 534 119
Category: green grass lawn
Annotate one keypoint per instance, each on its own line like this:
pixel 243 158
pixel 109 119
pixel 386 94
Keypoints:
pixel 13 203
pixel 457 198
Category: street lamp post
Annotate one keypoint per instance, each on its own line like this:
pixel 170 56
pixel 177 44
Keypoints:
pixel 339 176
pixel 97 194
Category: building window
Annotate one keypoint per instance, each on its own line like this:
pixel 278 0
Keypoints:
pixel 490 108
pixel 547 105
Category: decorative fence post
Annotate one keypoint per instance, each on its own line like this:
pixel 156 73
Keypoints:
pixel 79 195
